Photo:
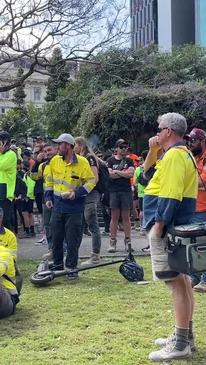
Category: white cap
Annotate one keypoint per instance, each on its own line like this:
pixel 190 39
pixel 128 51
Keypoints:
pixel 65 137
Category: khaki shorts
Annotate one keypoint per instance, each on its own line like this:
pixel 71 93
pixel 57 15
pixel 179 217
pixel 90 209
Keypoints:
pixel 159 256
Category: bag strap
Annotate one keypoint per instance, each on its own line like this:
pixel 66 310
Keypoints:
pixel 195 165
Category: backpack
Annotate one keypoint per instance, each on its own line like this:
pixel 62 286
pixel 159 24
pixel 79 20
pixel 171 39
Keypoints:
pixel 103 183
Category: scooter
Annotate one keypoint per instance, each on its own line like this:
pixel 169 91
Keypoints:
pixel 129 269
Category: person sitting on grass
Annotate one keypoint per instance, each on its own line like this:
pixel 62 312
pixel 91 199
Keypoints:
pixel 8 291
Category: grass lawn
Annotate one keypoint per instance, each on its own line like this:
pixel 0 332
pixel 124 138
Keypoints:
pixel 100 320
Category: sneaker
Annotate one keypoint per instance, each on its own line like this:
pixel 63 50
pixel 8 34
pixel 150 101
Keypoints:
pixel 112 245
pixel 146 249
pixel 41 242
pixel 94 259
pixel 105 234
pixel 56 267
pixel 48 256
pixel 87 232
pixel 72 274
pixel 162 342
pixel 200 288
pixel 170 353
pixel 24 235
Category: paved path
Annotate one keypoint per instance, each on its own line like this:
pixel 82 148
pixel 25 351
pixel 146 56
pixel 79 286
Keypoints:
pixel 28 250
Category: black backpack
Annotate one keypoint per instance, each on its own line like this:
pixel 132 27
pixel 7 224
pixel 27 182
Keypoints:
pixel 103 183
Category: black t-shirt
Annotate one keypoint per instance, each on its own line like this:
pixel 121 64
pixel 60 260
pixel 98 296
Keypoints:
pixel 122 183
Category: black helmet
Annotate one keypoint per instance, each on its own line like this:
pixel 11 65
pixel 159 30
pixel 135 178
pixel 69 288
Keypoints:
pixel 131 271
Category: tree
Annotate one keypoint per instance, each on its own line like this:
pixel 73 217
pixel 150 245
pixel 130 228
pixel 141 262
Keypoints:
pixel 19 93
pixel 59 75
pixel 131 113
pixel 29 30
pixel 15 122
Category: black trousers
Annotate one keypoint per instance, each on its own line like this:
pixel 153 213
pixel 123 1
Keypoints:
pixel 70 227
pixel 6 205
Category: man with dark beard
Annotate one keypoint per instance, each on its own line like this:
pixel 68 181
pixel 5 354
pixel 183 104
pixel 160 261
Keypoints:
pixel 197 145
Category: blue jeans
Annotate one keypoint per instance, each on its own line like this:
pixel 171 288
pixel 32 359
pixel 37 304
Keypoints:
pixel 90 214
pixel 199 217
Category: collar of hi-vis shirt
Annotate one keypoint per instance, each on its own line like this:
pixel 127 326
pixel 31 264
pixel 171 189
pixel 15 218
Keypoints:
pixel 174 145
pixel 74 159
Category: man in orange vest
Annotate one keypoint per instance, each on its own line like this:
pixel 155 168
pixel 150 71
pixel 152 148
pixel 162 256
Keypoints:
pixel 197 144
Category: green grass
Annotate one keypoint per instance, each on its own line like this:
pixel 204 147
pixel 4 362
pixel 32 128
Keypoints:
pixel 100 320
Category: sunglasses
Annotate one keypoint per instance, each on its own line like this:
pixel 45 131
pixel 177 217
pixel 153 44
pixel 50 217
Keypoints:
pixel 121 147
pixel 159 130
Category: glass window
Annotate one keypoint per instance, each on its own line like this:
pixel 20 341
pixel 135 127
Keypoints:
pixel 145 16
pixel 143 37
pixel 37 94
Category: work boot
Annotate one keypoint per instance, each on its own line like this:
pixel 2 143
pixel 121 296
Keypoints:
pixel 112 245
pixel 201 287
pixel 94 259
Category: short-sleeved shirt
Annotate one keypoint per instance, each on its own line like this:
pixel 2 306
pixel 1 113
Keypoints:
pixel 122 183
pixel 92 160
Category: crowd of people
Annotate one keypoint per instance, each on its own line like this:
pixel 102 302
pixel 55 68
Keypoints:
pixel 68 182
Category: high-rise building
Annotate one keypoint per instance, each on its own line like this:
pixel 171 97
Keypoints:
pixel 200 22
pixel 168 23
pixel 143 22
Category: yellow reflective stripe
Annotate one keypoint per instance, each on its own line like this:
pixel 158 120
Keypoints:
pixel 63 182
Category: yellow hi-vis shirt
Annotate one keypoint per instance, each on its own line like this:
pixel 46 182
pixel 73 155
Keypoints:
pixel 9 241
pixel 170 196
pixel 63 177
pixel 8 164
pixel 7 268
pixel 30 183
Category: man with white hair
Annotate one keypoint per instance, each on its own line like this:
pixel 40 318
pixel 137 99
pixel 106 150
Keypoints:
pixel 169 200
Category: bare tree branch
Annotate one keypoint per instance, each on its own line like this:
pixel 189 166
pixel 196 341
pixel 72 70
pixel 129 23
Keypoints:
pixel 30 29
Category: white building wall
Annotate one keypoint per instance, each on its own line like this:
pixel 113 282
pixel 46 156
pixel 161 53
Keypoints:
pixel 165 25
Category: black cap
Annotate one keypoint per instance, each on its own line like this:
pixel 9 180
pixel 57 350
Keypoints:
pixel 5 136
pixel 121 142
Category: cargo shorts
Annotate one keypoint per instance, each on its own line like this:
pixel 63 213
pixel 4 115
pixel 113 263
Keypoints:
pixel 159 257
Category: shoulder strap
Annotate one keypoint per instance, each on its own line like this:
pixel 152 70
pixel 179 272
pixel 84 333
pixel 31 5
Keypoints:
pixel 195 165
pixel 7 278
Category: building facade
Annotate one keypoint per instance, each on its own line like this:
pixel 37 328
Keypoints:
pixel 35 86
pixel 200 22
pixel 143 22
pixel 168 23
